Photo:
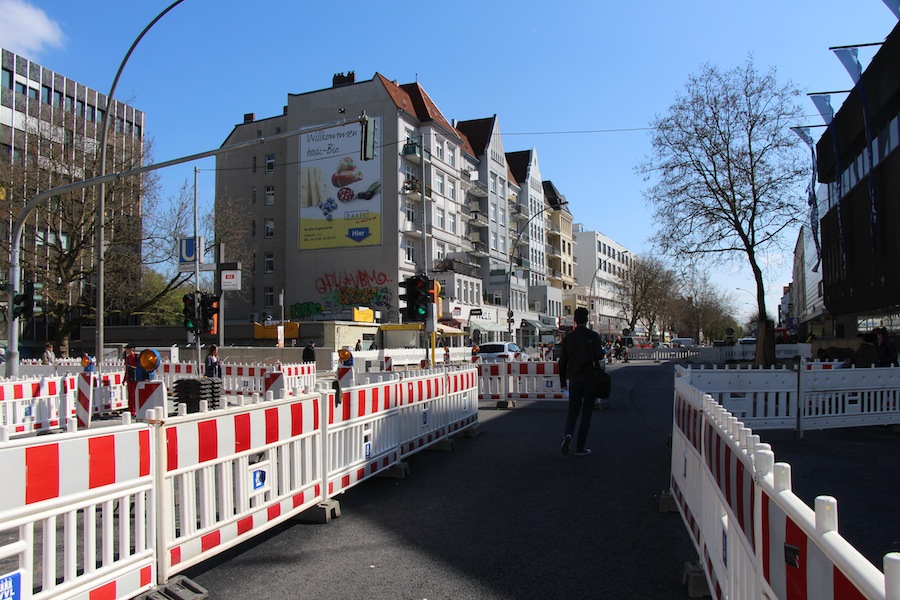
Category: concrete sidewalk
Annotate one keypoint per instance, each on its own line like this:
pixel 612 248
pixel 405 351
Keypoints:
pixel 505 515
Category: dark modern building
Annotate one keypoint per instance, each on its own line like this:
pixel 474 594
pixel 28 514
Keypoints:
pixel 858 159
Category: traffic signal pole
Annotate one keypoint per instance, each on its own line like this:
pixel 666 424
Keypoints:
pixel 197 253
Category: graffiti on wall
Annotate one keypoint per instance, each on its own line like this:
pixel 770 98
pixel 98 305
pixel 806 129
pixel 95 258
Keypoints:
pixel 339 290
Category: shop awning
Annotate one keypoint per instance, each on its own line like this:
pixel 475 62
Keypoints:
pixel 486 325
pixel 444 329
pixel 538 326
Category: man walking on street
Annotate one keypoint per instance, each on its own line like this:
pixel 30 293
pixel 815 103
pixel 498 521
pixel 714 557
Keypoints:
pixel 581 349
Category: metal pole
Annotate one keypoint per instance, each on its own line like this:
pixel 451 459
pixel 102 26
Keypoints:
pixel 198 252
pixel 101 204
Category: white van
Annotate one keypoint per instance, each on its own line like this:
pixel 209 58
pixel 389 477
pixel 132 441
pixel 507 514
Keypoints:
pixel 682 342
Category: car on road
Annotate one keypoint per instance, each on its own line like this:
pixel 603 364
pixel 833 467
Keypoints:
pixel 747 341
pixel 500 352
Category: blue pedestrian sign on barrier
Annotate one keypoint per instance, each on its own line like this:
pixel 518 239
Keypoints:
pixel 259 478
pixel 11 586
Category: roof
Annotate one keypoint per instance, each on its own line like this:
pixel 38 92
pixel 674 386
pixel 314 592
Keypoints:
pixel 518 163
pixel 478 131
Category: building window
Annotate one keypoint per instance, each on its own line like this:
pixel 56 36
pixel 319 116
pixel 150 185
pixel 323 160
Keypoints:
pixel 21 88
pixel 45 94
pixel 439 183
pixel 270 195
pixel 441 251
pixel 90 114
pixel 503 216
pixel 451 189
pixel 270 163
pixel 33 93
pixel 439 148
pixel 451 155
pixel 7 79
pixel 410 212
pixel 268 297
pixel 57 99
pixel 79 108
pixel 253 167
pixel 269 228
pixel 410 251
pixel 502 188
pixel 269 262
pixel 439 219
pixel 493 211
pixel 452 222
pixel 493 183
pixel 493 240
pixel 70 103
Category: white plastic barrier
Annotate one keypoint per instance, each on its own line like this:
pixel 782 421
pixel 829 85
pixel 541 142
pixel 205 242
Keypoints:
pixel 78 515
pixel 424 414
pixel 111 394
pixel 362 434
pixel 534 381
pixel 755 538
pixel 806 399
pixel 230 474
pixel 492 381
pixel 29 405
pixel 248 379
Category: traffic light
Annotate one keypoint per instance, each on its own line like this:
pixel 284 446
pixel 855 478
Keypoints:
pixel 28 303
pixel 190 312
pixel 33 299
pixel 416 297
pixel 209 313
pixel 367 143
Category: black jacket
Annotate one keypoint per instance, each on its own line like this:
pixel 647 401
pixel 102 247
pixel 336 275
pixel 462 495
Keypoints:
pixel 580 350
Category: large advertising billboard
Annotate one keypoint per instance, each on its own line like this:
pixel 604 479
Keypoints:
pixel 340 195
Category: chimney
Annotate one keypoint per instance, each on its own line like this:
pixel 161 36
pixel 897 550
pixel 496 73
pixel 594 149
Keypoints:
pixel 249 117
pixel 340 80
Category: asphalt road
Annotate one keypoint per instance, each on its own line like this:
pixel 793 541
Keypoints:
pixel 504 515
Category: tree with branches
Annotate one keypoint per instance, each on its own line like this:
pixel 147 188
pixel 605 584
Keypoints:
pixel 727 173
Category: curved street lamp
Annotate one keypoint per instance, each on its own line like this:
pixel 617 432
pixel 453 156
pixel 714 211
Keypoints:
pixel 101 203
pixel 509 310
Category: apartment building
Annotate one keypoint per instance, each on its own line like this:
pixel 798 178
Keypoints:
pixel 601 263
pixel 50 130
pixel 332 232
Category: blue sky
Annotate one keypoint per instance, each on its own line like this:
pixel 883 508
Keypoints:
pixel 579 81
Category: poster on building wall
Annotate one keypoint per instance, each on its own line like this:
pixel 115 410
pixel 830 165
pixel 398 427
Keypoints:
pixel 340 194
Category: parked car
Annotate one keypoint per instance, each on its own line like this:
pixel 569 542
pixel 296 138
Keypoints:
pixel 500 352
pixel 747 341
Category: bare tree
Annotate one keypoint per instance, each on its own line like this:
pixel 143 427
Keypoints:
pixel 727 171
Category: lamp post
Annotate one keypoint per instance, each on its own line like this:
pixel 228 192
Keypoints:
pixel 509 310
pixel 101 208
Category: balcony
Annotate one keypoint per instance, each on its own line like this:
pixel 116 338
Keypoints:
pixel 456 266
pixel 519 211
pixel 554 274
pixel 412 153
pixel 523 262
pixel 412 189
pixel 553 251
pixel 478 190
pixel 480 250
pixel 411 229
pixel 478 219
pixel 523 240
pixel 475 237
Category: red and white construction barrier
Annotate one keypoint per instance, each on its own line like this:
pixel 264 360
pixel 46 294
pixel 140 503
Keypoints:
pixel 754 537
pixel 36 404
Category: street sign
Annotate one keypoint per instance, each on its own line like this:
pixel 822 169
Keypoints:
pixel 231 280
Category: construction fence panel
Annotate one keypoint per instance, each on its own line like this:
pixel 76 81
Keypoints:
pixel 362 434
pixel 423 410
pixel 462 398
pixel 754 537
pixel 230 474
pixel 533 381
pixel 36 404
pixel 842 397
pixel 77 514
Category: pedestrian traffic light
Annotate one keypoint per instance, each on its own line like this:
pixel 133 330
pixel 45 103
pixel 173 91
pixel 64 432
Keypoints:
pixel 209 313
pixel 416 297
pixel 190 312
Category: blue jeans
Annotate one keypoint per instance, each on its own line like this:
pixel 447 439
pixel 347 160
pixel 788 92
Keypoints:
pixel 580 402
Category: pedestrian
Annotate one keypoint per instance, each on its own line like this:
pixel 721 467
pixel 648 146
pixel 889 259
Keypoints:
pixel 131 364
pixel 49 357
pixel 581 350
pixel 309 353
pixel 885 350
pixel 374 346
pixel 213 366
pixel 358 347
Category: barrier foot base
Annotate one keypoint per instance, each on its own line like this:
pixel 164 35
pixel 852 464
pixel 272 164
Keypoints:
pixel 321 513
pixel 398 471
pixel 471 431
pixel 506 403
pixel 667 502
pixel 445 445
pixel 695 580
pixel 177 588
